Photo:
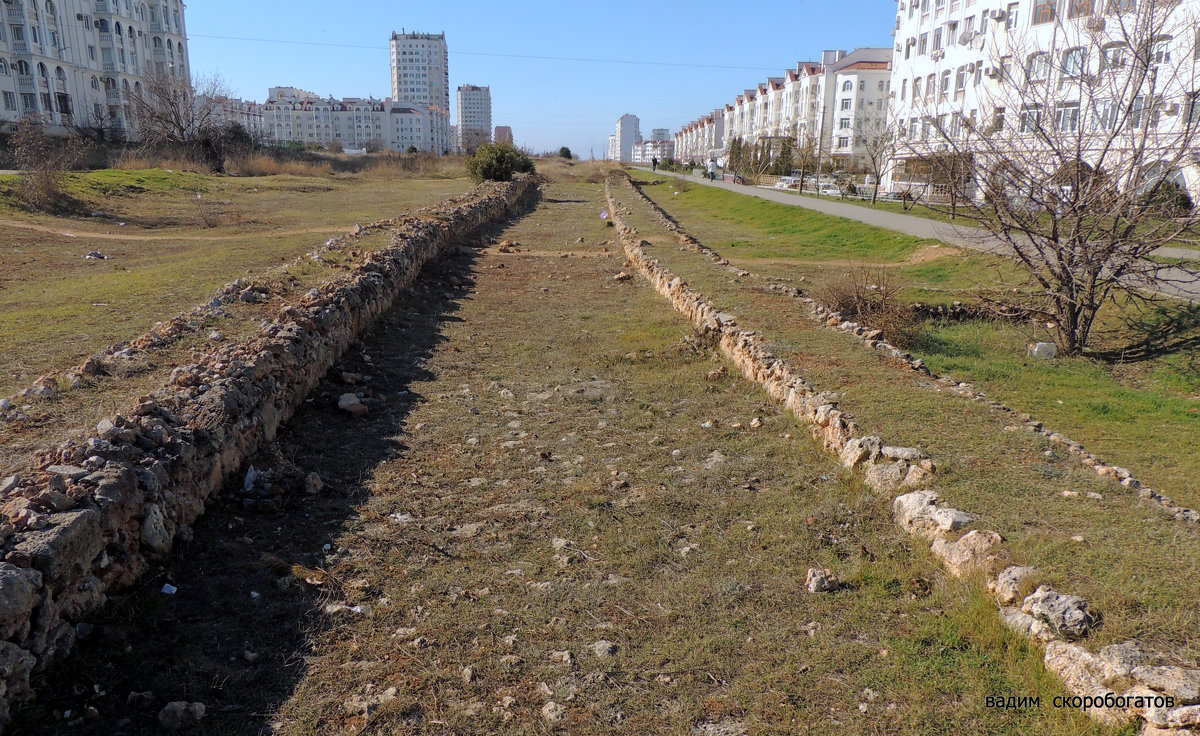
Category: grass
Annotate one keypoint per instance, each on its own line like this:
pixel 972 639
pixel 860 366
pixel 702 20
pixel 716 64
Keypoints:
pixel 1005 477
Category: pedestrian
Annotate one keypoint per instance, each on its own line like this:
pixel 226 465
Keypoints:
pixel 712 169
pixel 654 164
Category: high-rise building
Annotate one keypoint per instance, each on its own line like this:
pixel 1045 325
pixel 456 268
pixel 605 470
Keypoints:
pixel 474 116
pixel 79 63
pixel 660 134
pixel 421 77
pixel 620 143
pixel 504 134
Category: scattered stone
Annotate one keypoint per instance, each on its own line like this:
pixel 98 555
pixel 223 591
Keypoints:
pixel 367 705
pixel 553 712
pixel 96 255
pixel 755 423
pixel 9 484
pixel 821 581
pixel 1066 615
pixel 1120 659
pixel 604 649
pixel 352 405
pixel 71 472
pixel 886 477
pixel 468 675
pixel 622 276
pixel 180 714
pixel 216 336
pixel 313 484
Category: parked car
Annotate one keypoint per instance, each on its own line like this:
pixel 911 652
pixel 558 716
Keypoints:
pixel 829 190
pixel 785 182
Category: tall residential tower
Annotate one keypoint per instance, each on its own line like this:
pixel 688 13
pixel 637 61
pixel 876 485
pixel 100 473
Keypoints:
pixel 474 116
pixel 421 76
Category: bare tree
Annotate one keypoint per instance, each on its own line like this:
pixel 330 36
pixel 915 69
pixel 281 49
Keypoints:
pixel 175 112
pixel 875 142
pixel 1075 163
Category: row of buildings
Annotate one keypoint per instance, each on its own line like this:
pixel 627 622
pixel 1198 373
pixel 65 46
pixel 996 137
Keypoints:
pixel 988 78
pixel 818 105
pixel 78 63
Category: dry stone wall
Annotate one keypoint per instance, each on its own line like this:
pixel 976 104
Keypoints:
pixel 98 510
pixel 1119 684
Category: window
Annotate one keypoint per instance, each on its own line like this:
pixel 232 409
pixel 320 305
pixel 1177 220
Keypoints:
pixel 930 83
pixel 960 79
pixel 847 86
pixel 983 24
pixel 998 119
pixel 1112 56
pixel 978 72
pixel 3 68
pixel 922 44
pixel 10 101
pixel 1160 50
pixel 862 85
pixel 844 124
pixel 937 38
pixel 912 127
pixel 1073 62
pixel 1010 16
pixel 1144 113
pixel 843 142
pixel 916 88
pixel 903 89
pixel 1079 8
pixel 1037 68
pixel 846 103
pixel 1043 11
pixel 1066 117
pixel 1031 118
pixel 945 87
pixel 1192 103
pixel 951 34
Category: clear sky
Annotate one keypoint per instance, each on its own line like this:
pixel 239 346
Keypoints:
pixel 667 62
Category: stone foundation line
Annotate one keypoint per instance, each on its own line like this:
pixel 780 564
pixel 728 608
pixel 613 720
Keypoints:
pixel 94 515
pixel 874 339
pixel 1047 616
pixel 163 334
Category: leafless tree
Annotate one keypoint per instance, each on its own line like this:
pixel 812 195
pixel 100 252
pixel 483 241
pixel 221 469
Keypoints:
pixel 43 161
pixel 177 112
pixel 875 140
pixel 1076 162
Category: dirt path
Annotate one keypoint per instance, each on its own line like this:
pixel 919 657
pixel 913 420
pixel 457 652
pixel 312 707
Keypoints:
pixel 560 515
pixel 93 235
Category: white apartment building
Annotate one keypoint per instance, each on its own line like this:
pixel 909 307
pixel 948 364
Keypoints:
pixel 660 134
pixel 78 62
pixel 291 114
pixel 474 117
pixel 421 78
pixel 821 105
pixel 644 152
pixel 702 140
pixel 504 134
pixel 620 143
pixel 980 67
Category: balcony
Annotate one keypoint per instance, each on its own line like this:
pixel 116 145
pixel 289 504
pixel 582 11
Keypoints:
pixel 106 40
pixel 25 83
pixel 20 47
pixel 156 27
pixel 113 96
pixel 101 6
pixel 14 13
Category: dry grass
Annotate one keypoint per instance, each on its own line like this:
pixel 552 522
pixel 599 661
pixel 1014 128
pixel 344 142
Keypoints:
pixel 261 164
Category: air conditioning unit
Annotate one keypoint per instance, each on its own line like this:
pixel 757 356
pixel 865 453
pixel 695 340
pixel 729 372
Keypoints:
pixel 998 15
pixel 991 72
pixel 1172 109
pixel 937 54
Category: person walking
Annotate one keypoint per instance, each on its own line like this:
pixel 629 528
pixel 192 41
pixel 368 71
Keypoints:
pixel 654 164
pixel 712 169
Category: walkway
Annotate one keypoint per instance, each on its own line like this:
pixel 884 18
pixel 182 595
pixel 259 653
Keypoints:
pixel 1181 284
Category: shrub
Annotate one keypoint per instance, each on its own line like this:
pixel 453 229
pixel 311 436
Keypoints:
pixel 871 298
pixel 498 162
pixel 43 161
pixel 565 153
pixel 1169 199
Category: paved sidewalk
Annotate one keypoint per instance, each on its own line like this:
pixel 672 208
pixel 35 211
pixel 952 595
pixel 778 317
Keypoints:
pixel 963 236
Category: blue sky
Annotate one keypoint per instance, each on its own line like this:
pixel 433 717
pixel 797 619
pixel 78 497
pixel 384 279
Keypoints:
pixel 682 59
